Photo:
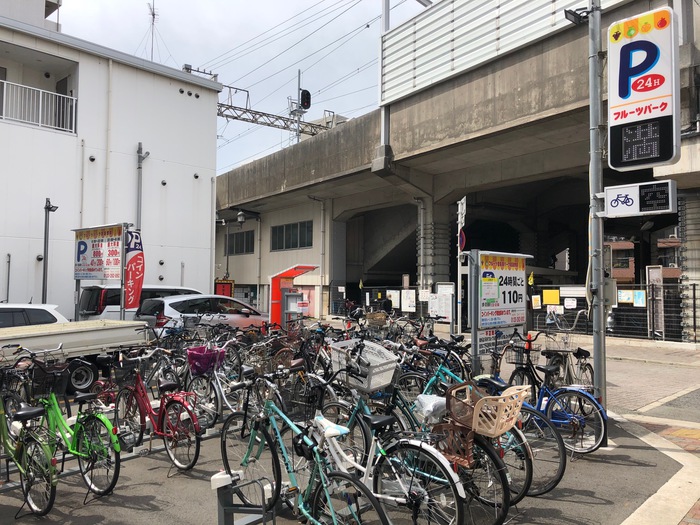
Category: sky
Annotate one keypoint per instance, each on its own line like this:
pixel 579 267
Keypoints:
pixel 259 47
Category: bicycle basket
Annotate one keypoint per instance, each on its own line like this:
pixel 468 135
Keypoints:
pixel 517 355
pixel 124 373
pixel 49 378
pixel 379 371
pixel 489 416
pixel 202 359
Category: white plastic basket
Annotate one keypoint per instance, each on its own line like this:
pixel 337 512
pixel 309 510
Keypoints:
pixel 382 364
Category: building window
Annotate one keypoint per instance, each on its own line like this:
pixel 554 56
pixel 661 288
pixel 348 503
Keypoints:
pixel 622 258
pixel 292 236
pixel 240 242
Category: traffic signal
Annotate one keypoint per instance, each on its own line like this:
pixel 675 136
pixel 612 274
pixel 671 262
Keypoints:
pixel 305 99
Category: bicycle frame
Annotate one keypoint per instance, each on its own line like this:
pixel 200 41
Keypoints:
pixel 14 451
pixel 269 414
pixel 156 416
pixel 57 425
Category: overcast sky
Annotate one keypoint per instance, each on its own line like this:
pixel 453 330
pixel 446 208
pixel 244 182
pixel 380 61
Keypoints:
pixel 258 46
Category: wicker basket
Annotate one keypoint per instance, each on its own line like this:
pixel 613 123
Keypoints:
pixel 49 378
pixel 489 416
pixel 376 319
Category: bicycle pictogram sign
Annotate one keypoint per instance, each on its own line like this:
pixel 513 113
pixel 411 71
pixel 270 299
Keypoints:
pixel 623 199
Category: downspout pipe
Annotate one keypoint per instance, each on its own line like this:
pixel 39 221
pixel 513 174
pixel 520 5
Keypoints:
pixel 322 268
pixel 421 246
pixel 140 156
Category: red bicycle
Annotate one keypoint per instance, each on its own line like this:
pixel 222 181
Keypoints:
pixel 174 420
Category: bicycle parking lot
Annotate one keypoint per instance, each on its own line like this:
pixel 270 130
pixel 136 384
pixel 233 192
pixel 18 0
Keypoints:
pixel 606 487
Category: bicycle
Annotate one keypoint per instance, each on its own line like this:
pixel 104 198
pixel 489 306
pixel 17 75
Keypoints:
pixel 27 448
pixel 545 443
pixel 578 416
pixel 174 420
pixel 250 452
pixel 91 439
pixel 561 352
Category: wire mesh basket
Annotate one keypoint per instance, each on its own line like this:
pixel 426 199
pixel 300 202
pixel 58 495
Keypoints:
pixel 377 367
pixel 49 378
pixel 123 373
pixel 202 360
pixel 376 319
pixel 487 415
pixel 301 397
pixel 517 355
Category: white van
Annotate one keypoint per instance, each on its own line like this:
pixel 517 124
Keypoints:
pixel 101 301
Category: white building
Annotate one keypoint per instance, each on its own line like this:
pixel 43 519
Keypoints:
pixel 72 117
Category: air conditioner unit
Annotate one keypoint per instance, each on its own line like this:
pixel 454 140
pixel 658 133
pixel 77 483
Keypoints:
pixel 672 265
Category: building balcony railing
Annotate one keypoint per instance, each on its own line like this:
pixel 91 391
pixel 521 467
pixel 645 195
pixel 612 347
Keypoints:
pixel 37 107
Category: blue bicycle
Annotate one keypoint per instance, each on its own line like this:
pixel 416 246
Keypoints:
pixel 578 416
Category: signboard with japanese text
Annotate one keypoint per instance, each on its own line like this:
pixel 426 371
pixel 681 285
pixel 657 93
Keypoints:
pixel 98 252
pixel 134 271
pixel 502 289
pixel 643 91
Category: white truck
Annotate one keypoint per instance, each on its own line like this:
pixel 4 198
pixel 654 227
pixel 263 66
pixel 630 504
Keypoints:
pixel 84 339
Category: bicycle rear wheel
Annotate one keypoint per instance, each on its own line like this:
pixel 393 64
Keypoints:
pixel 344 500
pixel 98 461
pixel 486 485
pixel 37 481
pixel 412 473
pixel 548 451
pixel 247 457
pixel 181 440
pixel 579 420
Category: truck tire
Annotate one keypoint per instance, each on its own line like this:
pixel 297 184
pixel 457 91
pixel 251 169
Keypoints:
pixel 82 375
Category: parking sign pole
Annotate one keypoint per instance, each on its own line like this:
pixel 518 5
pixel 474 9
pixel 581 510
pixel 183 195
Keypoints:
pixel 597 208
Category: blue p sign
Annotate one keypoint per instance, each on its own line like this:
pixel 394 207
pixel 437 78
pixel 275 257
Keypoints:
pixel 629 70
pixel 82 250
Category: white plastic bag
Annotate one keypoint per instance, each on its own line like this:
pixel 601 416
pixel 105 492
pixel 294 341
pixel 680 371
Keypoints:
pixel 430 409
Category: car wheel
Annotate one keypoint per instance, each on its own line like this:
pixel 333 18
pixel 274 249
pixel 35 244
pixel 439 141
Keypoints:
pixel 82 376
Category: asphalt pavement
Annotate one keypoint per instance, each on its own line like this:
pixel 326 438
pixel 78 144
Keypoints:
pixel 648 474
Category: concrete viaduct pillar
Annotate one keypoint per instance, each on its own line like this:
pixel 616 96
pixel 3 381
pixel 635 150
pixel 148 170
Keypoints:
pixel 433 243
pixel 689 222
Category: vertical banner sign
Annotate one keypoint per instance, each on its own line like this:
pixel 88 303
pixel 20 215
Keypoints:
pixel 502 300
pixel 135 267
pixel 98 252
pixel 643 91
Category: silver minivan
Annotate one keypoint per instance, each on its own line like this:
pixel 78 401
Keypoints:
pixel 101 301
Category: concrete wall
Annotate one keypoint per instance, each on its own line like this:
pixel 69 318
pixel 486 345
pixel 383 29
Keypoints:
pixel 118 107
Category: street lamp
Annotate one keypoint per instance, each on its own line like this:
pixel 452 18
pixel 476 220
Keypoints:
pixel 48 208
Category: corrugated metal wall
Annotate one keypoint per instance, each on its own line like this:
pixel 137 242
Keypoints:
pixel 454 36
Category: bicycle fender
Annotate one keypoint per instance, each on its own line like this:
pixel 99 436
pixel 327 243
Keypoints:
pixel 438 455
pixel 113 436
pixel 588 395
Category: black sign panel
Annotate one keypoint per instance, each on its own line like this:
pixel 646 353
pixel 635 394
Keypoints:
pixel 641 144
pixel 654 197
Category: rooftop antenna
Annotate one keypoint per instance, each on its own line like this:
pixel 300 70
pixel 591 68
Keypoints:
pixel 154 15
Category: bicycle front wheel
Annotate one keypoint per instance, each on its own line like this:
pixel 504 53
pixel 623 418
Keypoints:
pixel 37 480
pixel 414 486
pixel 129 419
pixel 250 457
pixel 181 440
pixel 548 451
pixel 207 405
pixel 523 377
pixel 98 461
pixel 344 500
pixel 515 451
pixel 579 420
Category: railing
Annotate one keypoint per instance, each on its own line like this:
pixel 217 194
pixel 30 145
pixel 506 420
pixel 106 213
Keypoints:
pixel 36 106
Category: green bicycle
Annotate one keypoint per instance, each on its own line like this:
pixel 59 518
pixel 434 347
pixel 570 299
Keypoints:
pixel 26 448
pixel 92 438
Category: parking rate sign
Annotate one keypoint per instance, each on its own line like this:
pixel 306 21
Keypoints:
pixel 643 91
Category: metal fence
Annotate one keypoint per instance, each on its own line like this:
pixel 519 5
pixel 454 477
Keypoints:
pixel 666 312
pixel 36 106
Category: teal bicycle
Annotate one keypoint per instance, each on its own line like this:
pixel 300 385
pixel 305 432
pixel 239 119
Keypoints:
pixel 251 448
